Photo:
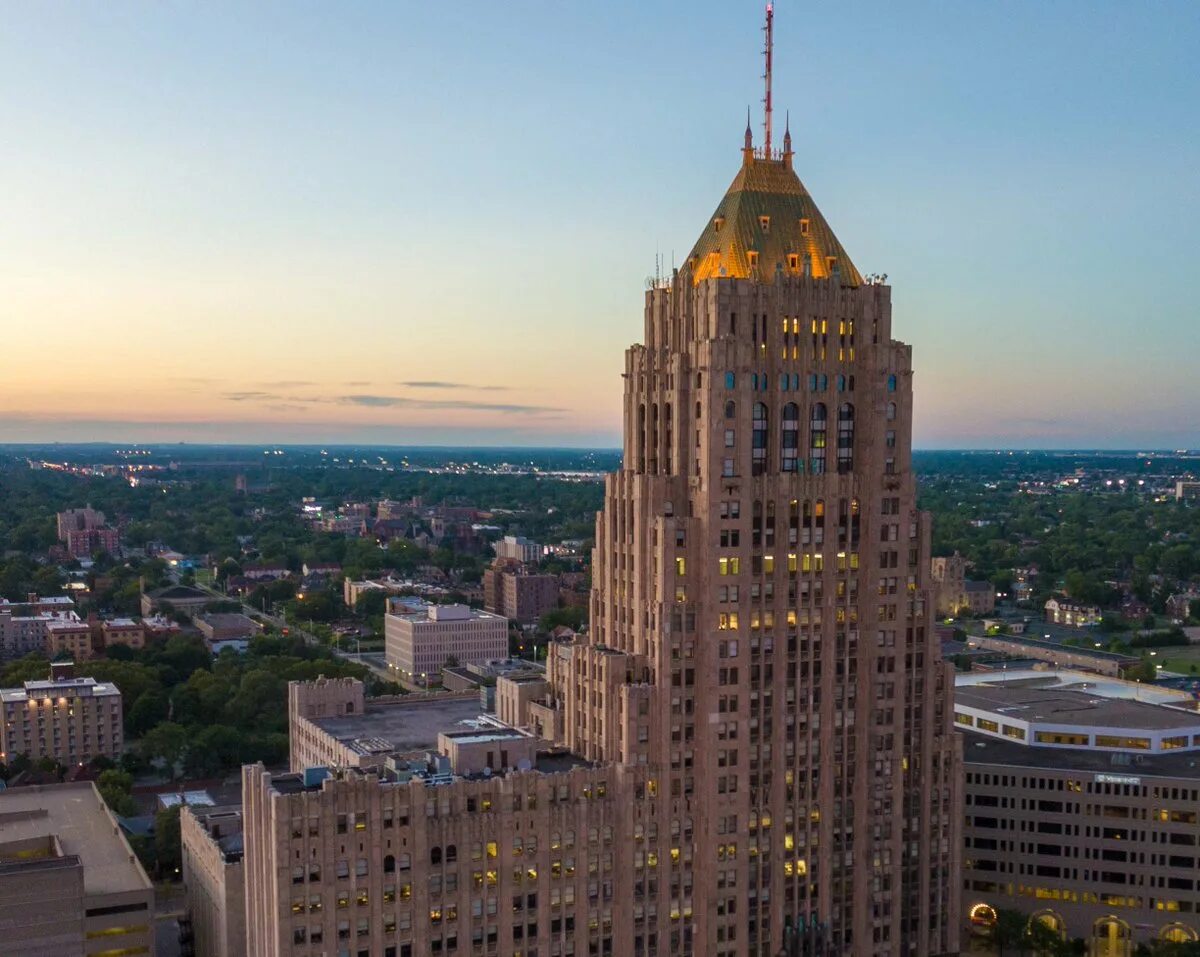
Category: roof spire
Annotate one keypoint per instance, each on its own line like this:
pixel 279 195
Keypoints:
pixel 767 51
pixel 748 147
pixel 787 138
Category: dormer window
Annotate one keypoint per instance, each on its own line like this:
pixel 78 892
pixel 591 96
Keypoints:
pixel 764 223
pixel 793 261
pixel 831 263
pixel 752 259
pixel 717 224
pixel 804 227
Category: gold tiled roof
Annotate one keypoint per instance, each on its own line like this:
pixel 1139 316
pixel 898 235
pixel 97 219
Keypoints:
pixel 768 223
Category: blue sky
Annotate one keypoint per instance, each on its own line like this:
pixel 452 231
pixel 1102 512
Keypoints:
pixel 269 222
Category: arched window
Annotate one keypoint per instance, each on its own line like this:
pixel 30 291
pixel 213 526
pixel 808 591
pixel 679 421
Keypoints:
pixel 758 437
pixel 891 412
pixel 435 855
pixel 451 853
pixel 730 409
pixel 405 862
pixel 812 383
pixel 824 384
pixel 789 443
pixel 389 865
pixel 845 446
pixel 816 440
pixel 841 383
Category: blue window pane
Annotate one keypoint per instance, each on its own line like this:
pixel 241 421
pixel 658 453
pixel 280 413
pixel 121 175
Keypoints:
pixel 891 383
pixel 730 380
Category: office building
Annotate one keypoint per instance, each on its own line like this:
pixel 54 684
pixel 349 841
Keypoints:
pixel 419 643
pixel 70 885
pixel 1082 797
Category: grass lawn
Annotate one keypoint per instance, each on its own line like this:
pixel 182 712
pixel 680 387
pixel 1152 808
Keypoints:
pixel 1178 658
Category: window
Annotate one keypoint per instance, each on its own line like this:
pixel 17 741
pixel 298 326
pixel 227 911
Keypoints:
pixel 790 438
pixel 752 259
pixel 845 446
pixel 759 440
pixel 730 438
pixel 891 383
pixel 891 412
pixel 817 433
pixel 730 380
pixel 804 227
pixel 764 223
pixel 793 261
pixel 730 409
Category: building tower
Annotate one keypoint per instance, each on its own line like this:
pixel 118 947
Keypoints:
pixel 761 631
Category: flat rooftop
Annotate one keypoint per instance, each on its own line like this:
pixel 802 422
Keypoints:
pixel 406 726
pixel 1068 679
pixel 984 749
pixel 75 687
pixel 1059 706
pixel 75 814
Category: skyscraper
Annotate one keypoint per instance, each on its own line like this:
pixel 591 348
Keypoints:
pixel 751 750
pixel 760 620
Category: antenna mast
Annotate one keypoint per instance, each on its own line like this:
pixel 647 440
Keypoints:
pixel 767 50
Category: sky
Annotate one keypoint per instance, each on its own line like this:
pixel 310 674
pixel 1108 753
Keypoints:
pixel 432 223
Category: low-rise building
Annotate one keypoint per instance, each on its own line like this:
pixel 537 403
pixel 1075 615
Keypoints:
pixel 1081 807
pixel 69 882
pixel 1179 605
pixel 122 631
pixel 70 720
pixel 226 630
pixel 23 634
pixel 67 639
pixel 1057 654
pixel 420 643
pixel 1062 611
pixel 213 879
pixel 175 598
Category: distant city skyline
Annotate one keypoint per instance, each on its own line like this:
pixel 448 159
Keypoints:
pixel 428 225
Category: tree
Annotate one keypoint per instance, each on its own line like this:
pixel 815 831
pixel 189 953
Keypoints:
pixel 147 711
pixel 116 787
pixel 165 743
pixel 1008 931
pixel 168 845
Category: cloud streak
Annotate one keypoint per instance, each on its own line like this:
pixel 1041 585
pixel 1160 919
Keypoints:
pixel 279 402
pixel 438 384
pixel 405 402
